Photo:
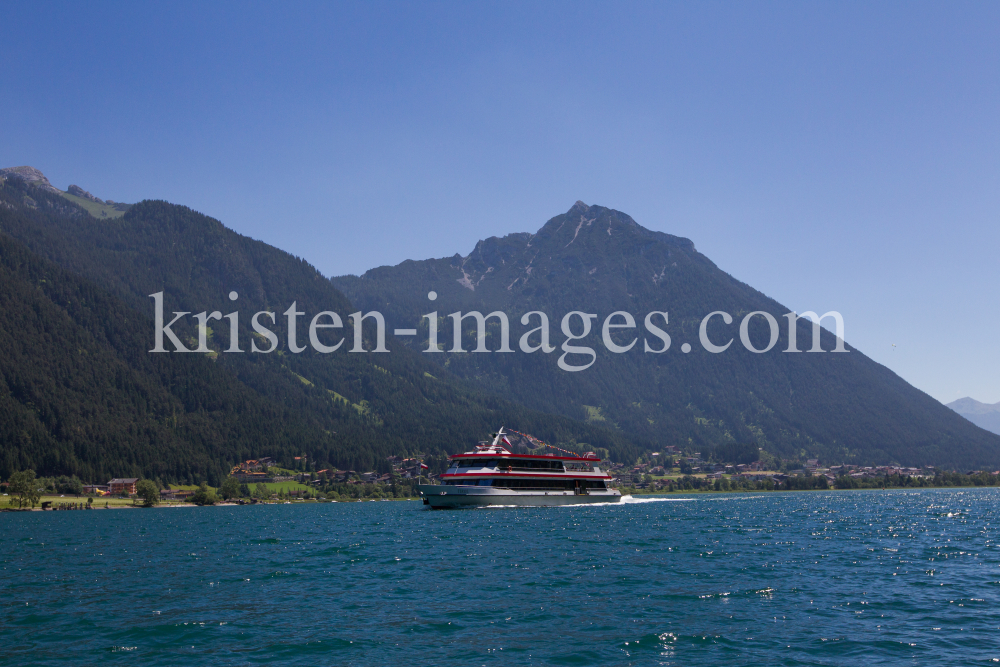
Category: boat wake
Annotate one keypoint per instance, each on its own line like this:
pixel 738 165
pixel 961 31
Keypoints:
pixel 625 500
pixel 629 500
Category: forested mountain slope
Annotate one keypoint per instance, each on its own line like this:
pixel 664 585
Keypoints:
pixel 80 395
pixel 840 407
pixel 84 395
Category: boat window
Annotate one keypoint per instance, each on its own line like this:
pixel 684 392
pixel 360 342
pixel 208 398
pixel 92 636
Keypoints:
pixel 485 482
pixel 522 464
pixel 534 484
pixel 476 463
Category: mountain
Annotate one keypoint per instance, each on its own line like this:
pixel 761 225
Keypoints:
pixel 98 208
pixel 839 407
pixel 80 393
pixel 983 415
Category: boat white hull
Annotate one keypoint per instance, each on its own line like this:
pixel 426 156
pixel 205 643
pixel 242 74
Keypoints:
pixel 454 497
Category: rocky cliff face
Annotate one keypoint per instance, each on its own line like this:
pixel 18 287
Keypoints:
pixel 31 175
pixel 77 191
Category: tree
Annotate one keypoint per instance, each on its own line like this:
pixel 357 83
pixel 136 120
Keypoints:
pixel 69 485
pixel 244 490
pixel 148 491
pixel 260 491
pixel 24 486
pixel 230 488
pixel 204 495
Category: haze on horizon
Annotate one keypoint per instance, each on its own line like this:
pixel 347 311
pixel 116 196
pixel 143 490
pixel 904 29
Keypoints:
pixel 834 157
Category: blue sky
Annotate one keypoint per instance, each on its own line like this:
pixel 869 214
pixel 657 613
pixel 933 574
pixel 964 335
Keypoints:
pixel 836 156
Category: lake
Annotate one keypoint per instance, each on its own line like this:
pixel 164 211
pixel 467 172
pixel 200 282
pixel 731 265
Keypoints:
pixel 807 578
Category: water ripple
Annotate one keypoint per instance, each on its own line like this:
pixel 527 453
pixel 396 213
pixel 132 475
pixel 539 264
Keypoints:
pixel 788 578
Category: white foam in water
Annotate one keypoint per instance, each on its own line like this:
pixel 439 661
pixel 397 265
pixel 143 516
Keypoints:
pixel 631 500
pixel 626 500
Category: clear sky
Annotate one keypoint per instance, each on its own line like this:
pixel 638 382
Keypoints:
pixel 836 156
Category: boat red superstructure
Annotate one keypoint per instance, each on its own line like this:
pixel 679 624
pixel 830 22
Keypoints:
pixel 492 475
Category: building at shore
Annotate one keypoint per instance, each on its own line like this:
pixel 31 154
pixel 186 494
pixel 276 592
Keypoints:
pixel 122 486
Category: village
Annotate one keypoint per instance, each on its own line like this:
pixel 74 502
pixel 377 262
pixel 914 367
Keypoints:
pixel 674 468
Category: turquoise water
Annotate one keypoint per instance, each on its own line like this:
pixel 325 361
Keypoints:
pixel 832 578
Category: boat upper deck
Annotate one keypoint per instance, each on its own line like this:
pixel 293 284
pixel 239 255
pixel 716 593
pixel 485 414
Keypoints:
pixel 495 460
pixel 545 457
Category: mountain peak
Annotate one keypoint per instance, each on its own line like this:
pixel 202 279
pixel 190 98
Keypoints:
pixel 31 175
pixel 599 261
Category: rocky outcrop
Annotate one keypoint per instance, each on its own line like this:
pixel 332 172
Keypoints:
pixel 34 177
pixel 31 175
pixel 77 191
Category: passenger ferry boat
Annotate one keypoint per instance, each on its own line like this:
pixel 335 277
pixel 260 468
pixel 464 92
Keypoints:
pixel 492 475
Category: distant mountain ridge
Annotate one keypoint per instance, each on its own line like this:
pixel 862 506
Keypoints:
pixel 838 407
pixel 74 269
pixel 984 415
pixel 970 406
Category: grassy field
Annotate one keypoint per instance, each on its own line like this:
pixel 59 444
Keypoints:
pixel 103 211
pixel 276 487
pixel 273 487
pixel 56 500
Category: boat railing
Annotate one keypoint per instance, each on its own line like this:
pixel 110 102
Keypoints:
pixel 509 468
pixel 579 490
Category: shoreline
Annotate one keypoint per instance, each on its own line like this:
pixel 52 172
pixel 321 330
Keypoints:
pixel 176 505
pixel 661 494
